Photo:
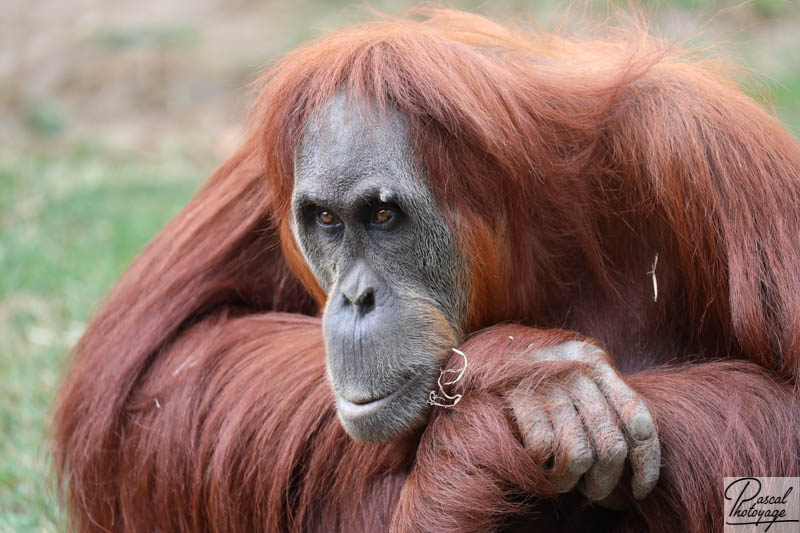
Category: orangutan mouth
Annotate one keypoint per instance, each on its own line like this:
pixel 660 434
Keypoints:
pixel 358 409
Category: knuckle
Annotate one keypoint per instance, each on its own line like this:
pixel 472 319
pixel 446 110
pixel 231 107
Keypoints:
pixel 567 350
pixel 580 463
pixel 616 453
pixel 574 350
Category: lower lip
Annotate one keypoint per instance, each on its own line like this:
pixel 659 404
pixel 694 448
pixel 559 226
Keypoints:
pixel 358 410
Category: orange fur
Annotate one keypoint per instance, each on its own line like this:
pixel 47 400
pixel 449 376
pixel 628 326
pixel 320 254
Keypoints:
pixel 563 166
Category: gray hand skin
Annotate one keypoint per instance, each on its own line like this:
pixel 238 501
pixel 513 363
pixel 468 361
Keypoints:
pixel 589 423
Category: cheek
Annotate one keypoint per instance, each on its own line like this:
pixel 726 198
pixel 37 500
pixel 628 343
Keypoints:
pixel 445 278
pixel 324 270
pixel 321 259
pixel 426 261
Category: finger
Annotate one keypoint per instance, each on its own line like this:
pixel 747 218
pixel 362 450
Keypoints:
pixel 633 413
pixel 645 458
pixel 638 426
pixel 605 436
pixel 534 424
pixel 573 452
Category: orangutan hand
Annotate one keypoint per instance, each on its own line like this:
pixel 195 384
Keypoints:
pixel 586 424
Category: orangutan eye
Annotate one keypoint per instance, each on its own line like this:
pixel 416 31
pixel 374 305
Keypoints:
pixel 326 219
pixel 382 215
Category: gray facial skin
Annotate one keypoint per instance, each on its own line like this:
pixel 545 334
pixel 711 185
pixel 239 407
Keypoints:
pixel 377 244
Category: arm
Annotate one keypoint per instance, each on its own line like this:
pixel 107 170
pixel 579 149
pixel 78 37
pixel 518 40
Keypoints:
pixel 713 419
pixel 726 418
pixel 233 429
pixel 220 254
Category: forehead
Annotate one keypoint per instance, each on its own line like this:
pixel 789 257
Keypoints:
pixel 350 144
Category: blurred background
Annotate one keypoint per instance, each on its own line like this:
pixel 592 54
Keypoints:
pixel 112 113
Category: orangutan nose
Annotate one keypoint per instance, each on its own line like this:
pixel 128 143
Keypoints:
pixel 359 288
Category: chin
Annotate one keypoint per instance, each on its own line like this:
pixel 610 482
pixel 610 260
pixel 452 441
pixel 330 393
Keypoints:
pixel 391 417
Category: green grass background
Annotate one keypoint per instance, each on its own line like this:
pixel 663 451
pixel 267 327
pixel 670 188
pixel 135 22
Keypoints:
pixel 117 113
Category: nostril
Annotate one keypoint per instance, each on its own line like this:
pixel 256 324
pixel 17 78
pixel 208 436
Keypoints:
pixel 366 302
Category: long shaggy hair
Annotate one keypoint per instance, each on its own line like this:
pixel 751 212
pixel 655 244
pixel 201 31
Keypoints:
pixel 563 166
